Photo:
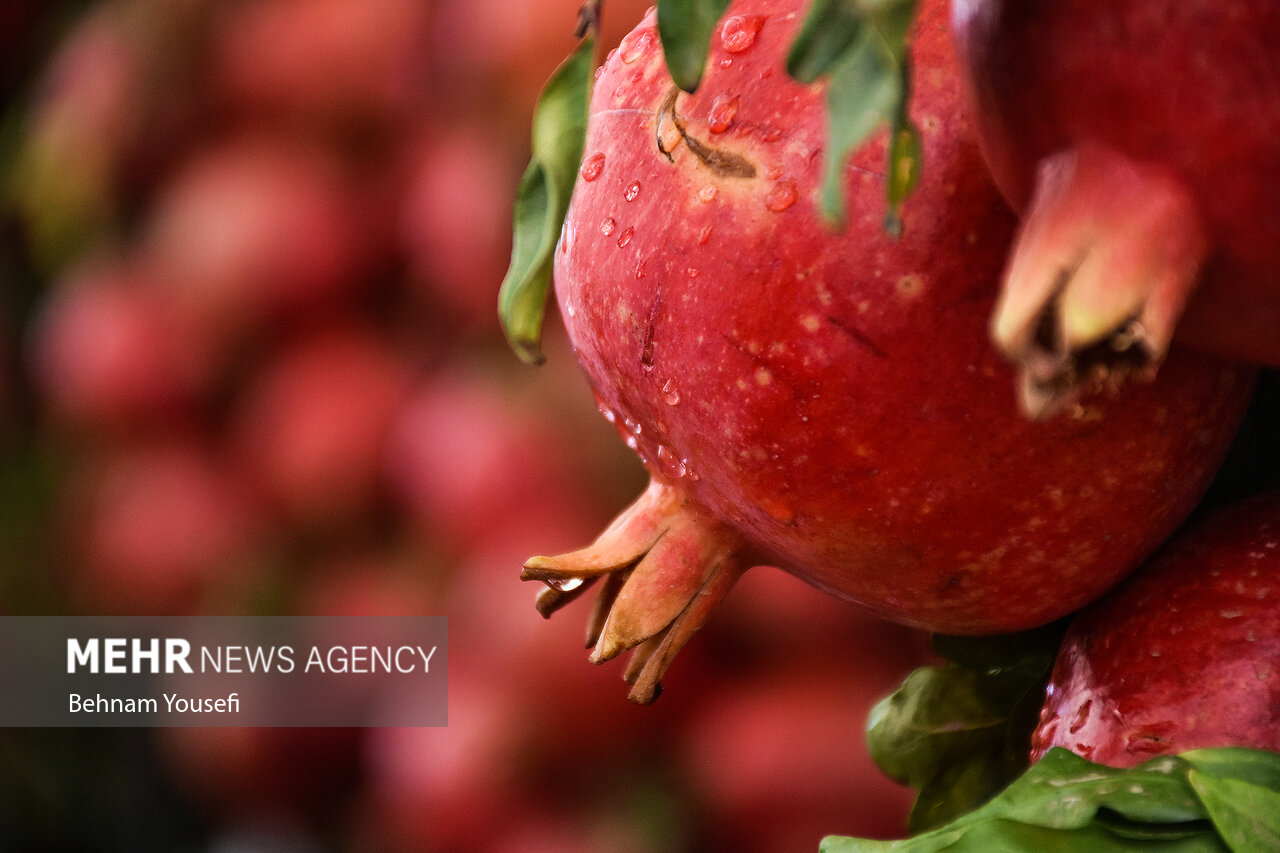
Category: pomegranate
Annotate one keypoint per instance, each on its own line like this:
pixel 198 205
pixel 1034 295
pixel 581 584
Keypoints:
pixel 1184 655
pixel 826 401
pixel 1141 140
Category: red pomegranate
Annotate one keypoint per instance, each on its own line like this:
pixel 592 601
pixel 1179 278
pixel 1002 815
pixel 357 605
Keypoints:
pixel 826 401
pixel 1141 141
pixel 1184 655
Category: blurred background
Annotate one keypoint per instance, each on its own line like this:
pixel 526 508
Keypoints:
pixel 250 253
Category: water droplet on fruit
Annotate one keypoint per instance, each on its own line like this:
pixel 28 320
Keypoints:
pixel 569 309
pixel 706 194
pixel 669 464
pixel 721 115
pixel 726 62
pixel 605 410
pixel 632 191
pixel 739 32
pixel 693 272
pixel 635 45
pixel 564 584
pixel 632 426
pixel 625 237
pixel 782 196
pixel 670 392
pixel 777 509
pixel 607 226
pixel 704 235
pixel 640 269
pixel 591 167
pixel 1081 717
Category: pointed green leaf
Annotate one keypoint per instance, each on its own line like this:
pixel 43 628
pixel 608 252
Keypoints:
pixel 960 733
pixel 861 45
pixel 542 199
pixel 1065 803
pixel 829 30
pixel 685 27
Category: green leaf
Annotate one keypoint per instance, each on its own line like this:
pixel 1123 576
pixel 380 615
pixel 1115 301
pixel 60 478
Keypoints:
pixel 959 733
pixel 862 46
pixel 1240 788
pixel 1065 803
pixel 685 27
pixel 542 199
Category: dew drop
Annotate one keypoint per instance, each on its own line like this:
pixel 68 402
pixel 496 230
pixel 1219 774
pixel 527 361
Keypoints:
pixel 670 464
pixel 693 272
pixel 569 309
pixel 704 235
pixel 592 167
pixel 632 426
pixel 670 392
pixel 726 62
pixel 723 110
pixel 564 584
pixel 1081 717
pixel 625 237
pixel 777 509
pixel 706 194
pixel 782 196
pixel 739 32
pixel 640 269
pixel 604 409
pixel 632 191
pixel 635 45
pixel 607 226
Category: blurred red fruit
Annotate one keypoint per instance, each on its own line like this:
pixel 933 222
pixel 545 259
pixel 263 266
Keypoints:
pixel 455 222
pixel 782 762
pixel 467 463
pixel 258 230
pixel 322 63
pixel 311 426
pixel 107 351
pixel 163 525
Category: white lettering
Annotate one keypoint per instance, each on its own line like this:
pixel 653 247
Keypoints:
pixel 84 655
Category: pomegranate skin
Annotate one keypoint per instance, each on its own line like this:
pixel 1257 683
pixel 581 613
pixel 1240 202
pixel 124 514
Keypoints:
pixel 1188 89
pixel 826 401
pixel 1184 655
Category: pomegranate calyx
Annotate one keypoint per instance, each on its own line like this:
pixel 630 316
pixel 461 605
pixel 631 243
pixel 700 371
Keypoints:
pixel 666 562
pixel 1108 253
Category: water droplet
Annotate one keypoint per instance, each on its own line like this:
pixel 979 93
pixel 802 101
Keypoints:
pixel 591 167
pixel 721 115
pixel 632 426
pixel 704 235
pixel 1149 740
pixel 607 226
pixel 569 309
pixel 726 62
pixel 1081 717
pixel 640 269
pixel 777 509
pixel 632 190
pixel 693 272
pixel 739 32
pixel 605 410
pixel 782 196
pixel 635 45
pixel 670 464
pixel 564 584
pixel 625 237
pixel 670 392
